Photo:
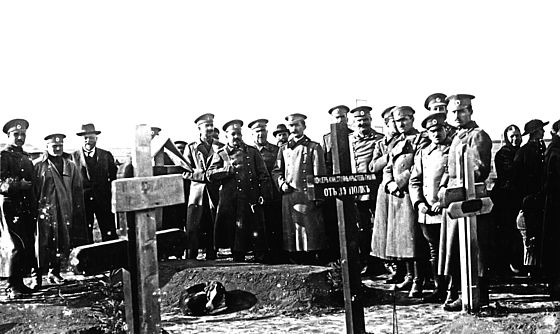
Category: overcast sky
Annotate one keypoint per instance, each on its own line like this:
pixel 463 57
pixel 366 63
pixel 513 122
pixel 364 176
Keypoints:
pixel 121 63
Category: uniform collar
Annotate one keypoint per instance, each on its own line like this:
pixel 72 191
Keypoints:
pixel 242 147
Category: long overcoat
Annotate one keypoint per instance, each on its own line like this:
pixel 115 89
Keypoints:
pixel 243 179
pixel 17 212
pixel 303 224
pixel 378 163
pixel 402 229
pixel 60 219
pixel 198 158
pixel 551 228
pixel 479 144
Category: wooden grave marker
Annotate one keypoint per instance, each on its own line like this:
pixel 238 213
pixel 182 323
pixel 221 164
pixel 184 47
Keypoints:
pixel 344 186
pixel 465 203
pixel 136 250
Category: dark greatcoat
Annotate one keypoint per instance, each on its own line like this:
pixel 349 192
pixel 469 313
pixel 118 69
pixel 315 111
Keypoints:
pixel 479 144
pixel 243 178
pixel 17 212
pixel 551 228
pixel 203 194
pixel 402 229
pixel 378 163
pixel 303 224
pixel 60 220
pixel 506 199
pixel 273 207
pixel 96 182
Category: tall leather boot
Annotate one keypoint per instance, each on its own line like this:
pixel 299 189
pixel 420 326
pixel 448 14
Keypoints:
pixel 438 295
pixel 418 281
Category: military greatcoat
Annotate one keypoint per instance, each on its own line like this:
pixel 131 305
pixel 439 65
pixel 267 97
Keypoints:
pixel 479 145
pixel 61 222
pixel 303 224
pixel 203 194
pixel 17 212
pixel 378 162
pixel 243 177
pixel 402 230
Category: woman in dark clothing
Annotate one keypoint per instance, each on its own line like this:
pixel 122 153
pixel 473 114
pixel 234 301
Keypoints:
pixel 509 246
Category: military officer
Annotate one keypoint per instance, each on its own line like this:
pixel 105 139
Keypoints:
pixel 378 163
pixel 430 167
pixel 281 134
pixel 479 144
pixel 303 225
pixel 402 228
pixel 339 114
pixel 437 103
pixel 245 187
pixel 362 143
pixel 203 194
pixel 272 207
pixel 98 170
pixel 18 208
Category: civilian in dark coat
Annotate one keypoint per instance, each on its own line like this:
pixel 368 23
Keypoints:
pixel 245 185
pixel 551 229
pixel 506 204
pixel 98 170
pixel 529 181
pixel 18 207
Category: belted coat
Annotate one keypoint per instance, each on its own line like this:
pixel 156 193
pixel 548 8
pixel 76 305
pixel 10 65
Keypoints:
pixel 18 207
pixel 303 224
pixel 243 179
pixel 479 144
pixel 402 230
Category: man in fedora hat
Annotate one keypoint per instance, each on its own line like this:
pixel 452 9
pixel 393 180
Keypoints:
pixel 281 134
pixel 17 209
pixel 528 179
pixel 98 170
pixel 245 186
pixel 204 194
pixel 60 220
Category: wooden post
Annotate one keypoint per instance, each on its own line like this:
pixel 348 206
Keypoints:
pixel 468 242
pixel 348 236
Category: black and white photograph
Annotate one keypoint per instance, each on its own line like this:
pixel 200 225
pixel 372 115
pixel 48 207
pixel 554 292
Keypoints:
pixel 279 167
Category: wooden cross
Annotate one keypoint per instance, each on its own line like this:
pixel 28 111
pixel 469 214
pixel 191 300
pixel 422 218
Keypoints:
pixel 136 250
pixel 465 203
pixel 344 186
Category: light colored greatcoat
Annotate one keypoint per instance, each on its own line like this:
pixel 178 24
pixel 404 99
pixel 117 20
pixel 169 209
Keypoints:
pixel 303 224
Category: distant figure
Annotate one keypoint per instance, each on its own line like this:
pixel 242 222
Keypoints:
pixel 281 134
pixel 180 144
pixel 60 221
pixel 506 205
pixel 98 170
pixel 18 207
pixel 154 130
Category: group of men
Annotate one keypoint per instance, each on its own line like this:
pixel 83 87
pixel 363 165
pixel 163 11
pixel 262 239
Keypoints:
pixel 48 205
pixel 252 196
